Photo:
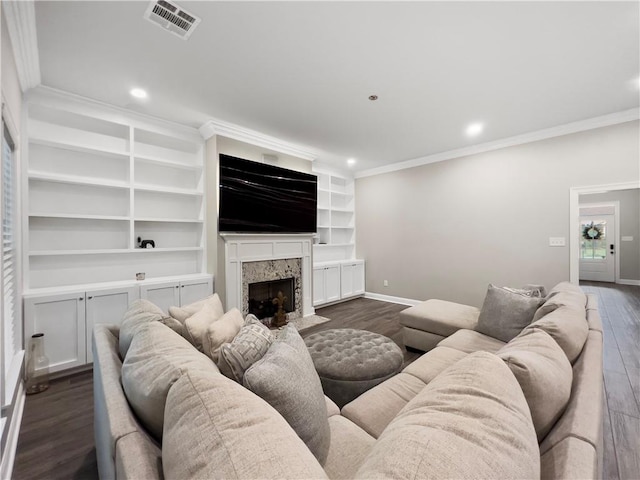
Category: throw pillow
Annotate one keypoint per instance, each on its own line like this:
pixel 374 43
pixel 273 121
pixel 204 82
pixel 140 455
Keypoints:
pixel 249 346
pixel 215 428
pixel 544 374
pixel 505 312
pixel 196 325
pixel 286 378
pixel 175 325
pixel 156 359
pixel 182 313
pixel 139 313
pixel 538 290
pixel 220 332
pixel 471 421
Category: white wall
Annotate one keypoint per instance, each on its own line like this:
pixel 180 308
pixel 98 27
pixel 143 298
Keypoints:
pixel 448 229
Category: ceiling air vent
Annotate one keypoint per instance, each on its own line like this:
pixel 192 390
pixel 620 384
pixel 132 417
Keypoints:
pixel 172 18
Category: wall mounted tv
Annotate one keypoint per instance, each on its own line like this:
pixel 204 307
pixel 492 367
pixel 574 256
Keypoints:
pixel 261 198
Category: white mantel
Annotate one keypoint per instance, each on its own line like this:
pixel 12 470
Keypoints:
pixel 241 248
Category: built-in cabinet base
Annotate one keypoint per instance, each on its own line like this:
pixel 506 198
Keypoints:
pixel 337 281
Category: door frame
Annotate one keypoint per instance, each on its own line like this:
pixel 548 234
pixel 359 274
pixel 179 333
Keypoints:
pixel 616 233
pixel 574 224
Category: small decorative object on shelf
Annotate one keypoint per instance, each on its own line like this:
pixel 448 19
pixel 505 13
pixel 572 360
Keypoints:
pixel 146 243
pixel 37 371
pixel 140 276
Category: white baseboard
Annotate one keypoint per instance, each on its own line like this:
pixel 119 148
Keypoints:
pixel 629 282
pixel 9 454
pixel 391 299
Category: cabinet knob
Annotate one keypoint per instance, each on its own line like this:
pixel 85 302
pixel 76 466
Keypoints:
pixel 177 286
pixel 182 286
pixel 89 298
pixel 81 299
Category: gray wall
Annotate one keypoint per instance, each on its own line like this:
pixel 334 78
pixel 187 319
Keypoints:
pixel 446 230
pixel 629 226
pixel 215 146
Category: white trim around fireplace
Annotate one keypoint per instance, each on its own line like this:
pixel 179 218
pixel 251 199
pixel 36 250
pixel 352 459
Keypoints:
pixel 241 248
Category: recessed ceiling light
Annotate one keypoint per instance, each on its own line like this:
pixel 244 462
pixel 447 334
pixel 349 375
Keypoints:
pixel 138 93
pixel 373 98
pixel 351 162
pixel 474 129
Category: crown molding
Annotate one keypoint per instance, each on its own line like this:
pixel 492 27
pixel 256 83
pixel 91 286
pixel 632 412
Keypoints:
pixel 236 132
pixel 21 24
pixel 569 128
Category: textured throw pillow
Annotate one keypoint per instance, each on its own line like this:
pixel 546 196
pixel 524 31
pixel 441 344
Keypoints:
pixel 544 374
pixel 220 332
pixel 182 313
pixel 196 325
pixel 156 359
pixel 215 428
pixel 249 346
pixel 537 290
pixel 568 327
pixel 471 421
pixel 140 312
pixel 505 312
pixel 286 378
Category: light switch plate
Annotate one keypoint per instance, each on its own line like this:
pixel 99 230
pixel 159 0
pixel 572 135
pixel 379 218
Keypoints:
pixel 627 238
pixel 557 242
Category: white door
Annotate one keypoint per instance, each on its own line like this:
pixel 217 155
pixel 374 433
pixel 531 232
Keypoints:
pixel 346 280
pixel 164 295
pixel 194 290
pixel 597 248
pixel 62 320
pixel 106 306
pixel 332 283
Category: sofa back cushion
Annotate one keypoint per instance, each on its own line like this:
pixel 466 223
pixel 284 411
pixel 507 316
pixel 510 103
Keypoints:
pixel 560 298
pixel 215 428
pixel 471 421
pixel 287 379
pixel 544 374
pixel 139 313
pixel 156 358
pixel 506 311
pixel 568 327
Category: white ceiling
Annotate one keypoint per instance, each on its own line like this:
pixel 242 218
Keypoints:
pixel 302 71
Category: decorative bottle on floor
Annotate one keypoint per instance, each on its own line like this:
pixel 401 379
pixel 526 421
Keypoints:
pixel 37 366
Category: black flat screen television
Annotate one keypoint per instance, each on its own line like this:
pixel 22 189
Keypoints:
pixel 260 198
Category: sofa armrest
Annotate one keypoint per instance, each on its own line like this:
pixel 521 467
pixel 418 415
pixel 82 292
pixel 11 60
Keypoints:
pixel 137 457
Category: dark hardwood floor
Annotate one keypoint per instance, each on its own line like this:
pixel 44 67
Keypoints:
pixel 56 436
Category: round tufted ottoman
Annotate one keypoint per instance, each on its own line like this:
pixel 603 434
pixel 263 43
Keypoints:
pixel 349 362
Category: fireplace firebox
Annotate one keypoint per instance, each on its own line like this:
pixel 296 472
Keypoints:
pixel 263 297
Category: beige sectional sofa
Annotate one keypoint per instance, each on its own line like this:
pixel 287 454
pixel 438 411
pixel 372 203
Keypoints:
pixel 466 408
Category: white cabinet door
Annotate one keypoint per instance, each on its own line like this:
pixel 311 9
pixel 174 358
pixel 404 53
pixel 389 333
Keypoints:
pixel 106 306
pixel 332 283
pixel 194 290
pixel 346 280
pixel 319 295
pixel 62 320
pixel 164 295
pixel 358 278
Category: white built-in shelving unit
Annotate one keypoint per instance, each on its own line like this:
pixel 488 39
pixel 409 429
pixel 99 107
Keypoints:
pixel 97 178
pixel 338 275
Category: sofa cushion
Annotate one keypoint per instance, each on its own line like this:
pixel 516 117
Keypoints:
pixel 249 345
pixel 197 324
pixel 184 312
pixel 471 421
pixel 220 332
pixel 429 365
pixel 286 378
pixel 544 374
pixel 215 428
pixel 375 408
pixel 506 311
pixel 469 341
pixel 558 299
pixel 571 458
pixel 439 317
pixel 156 359
pixel 139 313
pixel 350 445
pixel 569 328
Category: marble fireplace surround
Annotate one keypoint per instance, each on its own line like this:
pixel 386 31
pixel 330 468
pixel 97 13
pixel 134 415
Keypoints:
pixel 269 270
pixel 241 250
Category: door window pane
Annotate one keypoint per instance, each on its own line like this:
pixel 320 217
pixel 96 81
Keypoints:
pixel 593 240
